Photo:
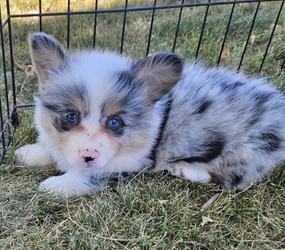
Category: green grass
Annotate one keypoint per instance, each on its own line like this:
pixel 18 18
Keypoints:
pixel 152 211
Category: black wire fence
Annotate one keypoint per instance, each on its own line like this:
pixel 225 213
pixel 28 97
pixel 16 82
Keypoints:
pixel 9 103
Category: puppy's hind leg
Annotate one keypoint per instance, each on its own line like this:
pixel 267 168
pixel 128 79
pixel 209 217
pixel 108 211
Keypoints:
pixel 230 179
pixel 32 155
pixel 196 172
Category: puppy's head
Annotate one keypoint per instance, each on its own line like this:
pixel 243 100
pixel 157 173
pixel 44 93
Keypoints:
pixel 99 109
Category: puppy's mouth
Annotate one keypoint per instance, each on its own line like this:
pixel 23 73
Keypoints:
pixel 89 159
pixel 90 163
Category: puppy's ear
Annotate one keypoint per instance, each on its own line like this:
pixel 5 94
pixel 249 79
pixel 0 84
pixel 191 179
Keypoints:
pixel 47 55
pixel 157 74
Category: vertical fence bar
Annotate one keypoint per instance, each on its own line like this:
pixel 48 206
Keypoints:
pixel 202 30
pixel 40 15
pixel 249 35
pixel 10 112
pixel 68 24
pixel 11 55
pixel 177 27
pixel 271 37
pixel 150 28
pixel 2 136
pixel 95 24
pixel 124 26
pixel 4 67
pixel 226 33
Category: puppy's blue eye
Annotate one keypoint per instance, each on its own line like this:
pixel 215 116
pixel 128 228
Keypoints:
pixel 114 123
pixel 72 118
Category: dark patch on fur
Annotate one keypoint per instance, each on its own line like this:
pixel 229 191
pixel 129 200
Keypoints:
pixel 121 177
pixel 261 98
pixel 212 148
pixel 172 58
pixel 127 103
pixel 270 141
pixel 161 129
pixel 236 179
pixel 39 40
pixel 162 58
pixel 255 117
pixel 258 108
pixel 233 181
pixel 124 79
pixel 63 100
pixel 231 86
pixel 209 151
pixel 216 178
pixel 63 125
pixel 267 140
pixel 96 180
pixel 230 182
pixel 203 159
pixel 204 106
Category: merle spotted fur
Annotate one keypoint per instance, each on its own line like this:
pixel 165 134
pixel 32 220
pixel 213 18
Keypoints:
pixel 225 124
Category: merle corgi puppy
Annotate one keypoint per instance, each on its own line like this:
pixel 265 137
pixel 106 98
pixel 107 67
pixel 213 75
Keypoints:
pixel 99 113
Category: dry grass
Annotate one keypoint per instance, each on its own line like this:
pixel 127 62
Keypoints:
pixel 156 211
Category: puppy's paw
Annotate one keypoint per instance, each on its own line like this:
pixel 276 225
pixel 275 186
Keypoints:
pixel 33 155
pixel 70 184
pixel 57 186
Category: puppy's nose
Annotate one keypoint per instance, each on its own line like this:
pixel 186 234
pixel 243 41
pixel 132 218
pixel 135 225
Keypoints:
pixel 88 154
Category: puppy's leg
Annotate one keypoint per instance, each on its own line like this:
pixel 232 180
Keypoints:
pixel 73 183
pixel 194 172
pixel 33 155
pixel 231 178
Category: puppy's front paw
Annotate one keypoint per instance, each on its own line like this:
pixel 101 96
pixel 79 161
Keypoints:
pixel 55 185
pixel 70 184
pixel 32 155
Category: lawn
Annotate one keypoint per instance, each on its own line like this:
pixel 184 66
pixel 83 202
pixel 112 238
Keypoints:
pixel 151 211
